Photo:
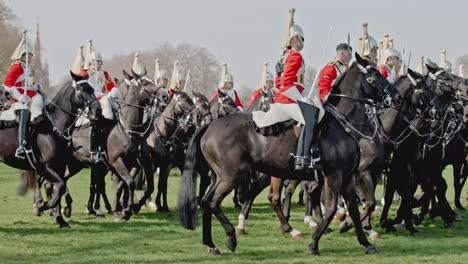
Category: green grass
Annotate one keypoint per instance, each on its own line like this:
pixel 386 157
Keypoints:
pixel 157 238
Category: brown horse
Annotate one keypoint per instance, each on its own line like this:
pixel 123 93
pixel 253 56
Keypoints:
pixel 232 147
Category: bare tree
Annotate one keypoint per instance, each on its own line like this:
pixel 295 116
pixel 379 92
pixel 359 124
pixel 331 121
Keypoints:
pixel 10 36
pixel 204 67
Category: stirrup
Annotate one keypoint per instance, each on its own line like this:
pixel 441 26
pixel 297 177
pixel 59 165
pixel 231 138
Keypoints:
pixel 300 162
pixel 315 164
pixel 20 153
pixel 97 156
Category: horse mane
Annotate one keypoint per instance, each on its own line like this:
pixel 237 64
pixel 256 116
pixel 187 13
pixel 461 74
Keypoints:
pixel 64 92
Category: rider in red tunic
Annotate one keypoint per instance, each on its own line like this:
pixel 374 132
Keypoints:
pixel 28 102
pixel 106 92
pixel 334 69
pixel 267 86
pixel 177 81
pixel 392 65
pixel 226 85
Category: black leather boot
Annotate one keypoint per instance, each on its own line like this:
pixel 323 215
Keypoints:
pixel 307 157
pixel 23 129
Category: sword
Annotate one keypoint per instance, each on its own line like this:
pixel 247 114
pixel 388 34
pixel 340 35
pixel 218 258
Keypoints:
pixel 27 72
pixel 186 81
pixel 321 63
pixel 349 40
pixel 409 61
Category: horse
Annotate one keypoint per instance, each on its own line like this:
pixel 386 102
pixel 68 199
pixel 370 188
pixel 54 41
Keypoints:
pixel 406 164
pixel 179 115
pixel 50 138
pixel 232 148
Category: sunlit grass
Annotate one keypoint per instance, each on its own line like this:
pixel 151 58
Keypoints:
pixel 158 238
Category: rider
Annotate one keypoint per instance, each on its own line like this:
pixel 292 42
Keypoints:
pixel 267 85
pixel 226 85
pixel 392 65
pixel 28 102
pixel 160 76
pixel 334 69
pixel 177 80
pixel 105 91
pixel 288 99
pixel 368 46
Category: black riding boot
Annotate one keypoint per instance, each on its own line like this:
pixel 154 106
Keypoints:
pixel 307 157
pixel 96 144
pixel 23 144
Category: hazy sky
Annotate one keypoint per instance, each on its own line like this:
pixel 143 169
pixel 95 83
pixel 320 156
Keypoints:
pixel 242 33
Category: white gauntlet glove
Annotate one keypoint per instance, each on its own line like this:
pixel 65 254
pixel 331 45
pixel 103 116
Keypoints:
pixel 114 93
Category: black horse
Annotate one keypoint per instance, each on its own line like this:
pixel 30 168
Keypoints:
pixel 232 148
pixel 50 140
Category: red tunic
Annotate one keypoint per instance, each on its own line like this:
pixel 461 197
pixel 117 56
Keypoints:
pixel 255 95
pixel 327 75
pixel 292 65
pixel 237 99
pixel 108 85
pixel 383 70
pixel 15 78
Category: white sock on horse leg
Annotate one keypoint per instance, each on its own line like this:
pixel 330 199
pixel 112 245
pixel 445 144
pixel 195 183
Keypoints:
pixel 242 221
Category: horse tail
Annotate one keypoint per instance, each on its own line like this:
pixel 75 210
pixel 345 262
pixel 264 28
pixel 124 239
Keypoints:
pixel 188 206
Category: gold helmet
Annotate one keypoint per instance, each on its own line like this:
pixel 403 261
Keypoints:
pixel 266 76
pixel 444 63
pixel 159 73
pixel 175 77
pixel 366 42
pixel 461 70
pixel 78 63
pixel 421 69
pixel 89 50
pixel 225 77
pixel 22 48
pixel 289 24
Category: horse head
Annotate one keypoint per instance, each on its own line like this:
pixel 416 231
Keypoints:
pixel 203 115
pixel 149 91
pixel 84 97
pixel 223 105
pixel 374 85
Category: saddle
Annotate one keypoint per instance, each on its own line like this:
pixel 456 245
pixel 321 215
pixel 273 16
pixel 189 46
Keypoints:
pixel 271 130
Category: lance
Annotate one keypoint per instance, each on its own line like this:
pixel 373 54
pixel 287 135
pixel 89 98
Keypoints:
pixel 26 78
pixel 321 63
pixel 186 81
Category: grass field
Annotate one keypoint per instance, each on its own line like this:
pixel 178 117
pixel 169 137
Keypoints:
pixel 157 238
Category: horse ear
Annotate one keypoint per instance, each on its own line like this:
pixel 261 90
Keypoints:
pixel 135 75
pixel 126 75
pixel 221 92
pixel 75 77
pixel 117 81
pixel 360 60
pixel 144 71
pixel 432 67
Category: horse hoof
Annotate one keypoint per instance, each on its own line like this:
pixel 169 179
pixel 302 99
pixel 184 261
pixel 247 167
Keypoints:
pixel 297 235
pixel 370 250
pixel 35 211
pixel 136 209
pixel 231 243
pixel 214 252
pixel 240 231
pixel 345 227
pixel 118 219
pixel 100 213
pixel 313 227
pixel 458 218
pixel 374 236
pixel 152 206
pixel 449 226
pixel 314 251
pixel 67 212
pixel 328 231
pixel 163 210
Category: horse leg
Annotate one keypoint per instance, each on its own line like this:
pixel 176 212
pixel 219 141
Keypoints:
pixel 92 192
pixel 368 190
pixel 149 176
pixel 102 191
pixel 207 222
pixel 220 192
pixel 255 189
pixel 37 200
pixel 275 198
pixel 390 187
pixel 350 197
pixel 288 193
pixel 67 210
pixel 117 203
pixel 164 171
pixel 331 201
pixel 457 181
pixel 123 172
pixel 312 203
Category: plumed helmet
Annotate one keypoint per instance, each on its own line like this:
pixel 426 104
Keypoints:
pixel 225 77
pixel 22 48
pixel 296 31
pixel 78 63
pixel 159 73
pixel 461 70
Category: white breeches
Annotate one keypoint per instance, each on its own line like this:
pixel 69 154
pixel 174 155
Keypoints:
pixel 36 106
pixel 106 106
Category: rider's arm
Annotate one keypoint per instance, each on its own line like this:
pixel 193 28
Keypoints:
pixel 11 77
pixel 213 95
pixel 327 76
pixel 291 67
pixel 238 101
